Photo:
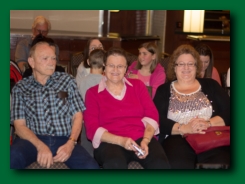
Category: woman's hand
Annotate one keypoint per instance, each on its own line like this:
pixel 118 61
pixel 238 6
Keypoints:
pixel 198 125
pixel 195 126
pixel 127 143
pixel 145 148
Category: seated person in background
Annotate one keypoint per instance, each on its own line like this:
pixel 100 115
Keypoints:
pixel 41 25
pixel 147 68
pixel 188 104
pixel 207 58
pixel 228 78
pixel 40 38
pixel 84 68
pixel 119 114
pixel 15 74
pixel 46 109
pixel 96 62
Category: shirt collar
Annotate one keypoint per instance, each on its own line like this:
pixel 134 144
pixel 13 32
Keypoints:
pixel 102 84
pixel 50 79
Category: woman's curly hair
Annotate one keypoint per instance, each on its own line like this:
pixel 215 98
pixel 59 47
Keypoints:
pixel 183 49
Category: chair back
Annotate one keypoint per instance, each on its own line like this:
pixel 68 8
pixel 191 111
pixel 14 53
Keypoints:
pixel 75 61
pixel 15 72
pixel 164 61
pixel 134 165
pixel 212 166
pixel 130 58
pixel 56 165
pixel 223 77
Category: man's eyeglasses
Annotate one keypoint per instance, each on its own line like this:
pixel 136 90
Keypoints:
pixel 182 65
pixel 119 67
pixel 41 31
pixel 93 48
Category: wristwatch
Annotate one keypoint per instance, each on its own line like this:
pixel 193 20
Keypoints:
pixel 74 140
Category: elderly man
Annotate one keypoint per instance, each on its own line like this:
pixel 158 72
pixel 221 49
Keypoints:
pixel 41 25
pixel 46 109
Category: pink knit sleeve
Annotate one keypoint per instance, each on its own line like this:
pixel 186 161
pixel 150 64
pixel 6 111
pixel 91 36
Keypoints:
pixel 152 122
pixel 97 137
pixel 150 112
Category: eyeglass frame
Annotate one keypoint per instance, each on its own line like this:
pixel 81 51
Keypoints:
pixel 119 67
pixel 182 65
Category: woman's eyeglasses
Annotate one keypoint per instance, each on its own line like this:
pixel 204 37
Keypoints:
pixel 119 67
pixel 182 65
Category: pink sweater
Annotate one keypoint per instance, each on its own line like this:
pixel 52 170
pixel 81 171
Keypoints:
pixel 158 77
pixel 126 117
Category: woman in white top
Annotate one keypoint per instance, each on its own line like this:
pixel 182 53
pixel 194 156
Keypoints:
pixel 188 104
pixel 84 69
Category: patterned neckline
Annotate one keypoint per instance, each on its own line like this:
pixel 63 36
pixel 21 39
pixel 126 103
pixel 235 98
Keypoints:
pixel 199 89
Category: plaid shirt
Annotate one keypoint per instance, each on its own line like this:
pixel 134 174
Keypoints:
pixel 48 109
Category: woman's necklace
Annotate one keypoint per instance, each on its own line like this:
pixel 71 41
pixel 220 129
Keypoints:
pixel 183 96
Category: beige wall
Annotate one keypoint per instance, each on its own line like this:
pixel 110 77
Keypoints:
pixel 159 26
pixel 62 21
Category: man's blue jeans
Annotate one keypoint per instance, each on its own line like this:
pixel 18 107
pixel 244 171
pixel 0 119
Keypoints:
pixel 23 153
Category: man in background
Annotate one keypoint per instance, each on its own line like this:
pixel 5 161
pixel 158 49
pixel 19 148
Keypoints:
pixel 41 25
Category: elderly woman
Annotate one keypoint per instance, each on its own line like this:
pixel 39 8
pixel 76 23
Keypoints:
pixel 188 104
pixel 120 115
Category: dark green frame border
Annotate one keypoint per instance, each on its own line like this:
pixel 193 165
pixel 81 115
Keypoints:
pixel 144 176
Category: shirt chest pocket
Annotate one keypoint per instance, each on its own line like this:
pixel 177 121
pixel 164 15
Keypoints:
pixel 62 106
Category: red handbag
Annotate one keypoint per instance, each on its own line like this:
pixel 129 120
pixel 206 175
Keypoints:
pixel 215 137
